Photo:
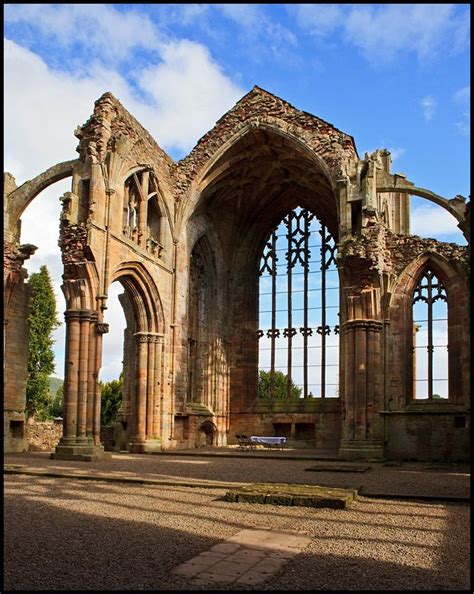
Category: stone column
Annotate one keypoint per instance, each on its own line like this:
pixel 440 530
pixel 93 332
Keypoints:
pixel 158 386
pixel 71 375
pixel 151 390
pixel 362 434
pixel 144 441
pixel 85 319
pixel 141 386
pixel 91 377
pixel 100 329
pixel 76 443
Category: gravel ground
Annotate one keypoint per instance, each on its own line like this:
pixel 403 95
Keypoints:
pixel 75 535
pixel 68 534
pixel 448 480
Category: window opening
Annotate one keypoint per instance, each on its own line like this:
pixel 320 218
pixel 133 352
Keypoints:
pixel 299 309
pixel 430 338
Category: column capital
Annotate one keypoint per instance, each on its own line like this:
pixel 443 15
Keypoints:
pixel 352 325
pixel 80 314
pixel 101 328
pixel 149 337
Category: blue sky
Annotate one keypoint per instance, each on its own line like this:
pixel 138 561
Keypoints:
pixel 392 76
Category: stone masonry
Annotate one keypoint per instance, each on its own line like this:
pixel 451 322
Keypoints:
pixel 184 240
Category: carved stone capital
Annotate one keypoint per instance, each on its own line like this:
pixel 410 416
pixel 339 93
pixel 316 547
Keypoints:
pixel 151 337
pixel 141 337
pixel 82 315
pixel 72 315
pixel 101 328
pixel 366 325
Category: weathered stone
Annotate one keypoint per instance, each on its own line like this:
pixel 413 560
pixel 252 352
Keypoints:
pixel 184 240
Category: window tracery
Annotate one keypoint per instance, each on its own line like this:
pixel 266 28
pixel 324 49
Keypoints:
pixel 430 337
pixel 299 307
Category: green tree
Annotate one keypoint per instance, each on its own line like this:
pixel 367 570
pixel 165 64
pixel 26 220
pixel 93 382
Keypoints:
pixel 56 406
pixel 43 320
pixel 280 386
pixel 111 399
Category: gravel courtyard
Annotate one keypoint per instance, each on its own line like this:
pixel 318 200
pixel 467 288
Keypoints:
pixel 72 534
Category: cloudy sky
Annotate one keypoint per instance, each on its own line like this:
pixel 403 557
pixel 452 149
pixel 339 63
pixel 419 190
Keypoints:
pixel 393 76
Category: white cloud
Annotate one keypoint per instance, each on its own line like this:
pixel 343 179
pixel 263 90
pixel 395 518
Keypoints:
pixel 396 152
pixel 260 33
pixel 319 19
pixel 428 106
pixel 462 98
pixel 113 340
pixel 100 28
pixel 187 89
pixel 431 220
pixel 190 93
pixel 382 32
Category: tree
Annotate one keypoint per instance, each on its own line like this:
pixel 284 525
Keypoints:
pixel 43 320
pixel 280 386
pixel 111 399
pixel 56 406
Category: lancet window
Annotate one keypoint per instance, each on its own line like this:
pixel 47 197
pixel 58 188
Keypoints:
pixel 142 217
pixel 299 309
pixel 430 338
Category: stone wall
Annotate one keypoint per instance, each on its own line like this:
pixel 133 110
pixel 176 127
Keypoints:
pixel 427 435
pixel 43 436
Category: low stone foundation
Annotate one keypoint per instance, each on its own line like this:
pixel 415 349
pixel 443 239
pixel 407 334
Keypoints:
pixel 295 495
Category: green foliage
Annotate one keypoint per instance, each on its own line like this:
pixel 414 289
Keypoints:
pixel 111 399
pixel 43 321
pixel 280 386
pixel 56 407
pixel 54 384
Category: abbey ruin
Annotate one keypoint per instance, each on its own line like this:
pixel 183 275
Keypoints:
pixel 269 200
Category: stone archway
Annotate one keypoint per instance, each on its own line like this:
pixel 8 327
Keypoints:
pixel 142 360
pixel 206 435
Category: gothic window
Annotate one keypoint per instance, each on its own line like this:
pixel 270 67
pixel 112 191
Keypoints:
pixel 299 309
pixel 142 218
pixel 430 338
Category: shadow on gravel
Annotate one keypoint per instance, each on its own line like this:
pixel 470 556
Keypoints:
pixel 48 547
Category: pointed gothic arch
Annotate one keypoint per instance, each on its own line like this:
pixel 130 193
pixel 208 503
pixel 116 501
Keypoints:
pixel 453 286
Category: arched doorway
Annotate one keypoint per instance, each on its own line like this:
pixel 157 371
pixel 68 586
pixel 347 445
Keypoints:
pixel 140 418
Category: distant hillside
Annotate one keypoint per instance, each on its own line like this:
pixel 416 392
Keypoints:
pixel 54 384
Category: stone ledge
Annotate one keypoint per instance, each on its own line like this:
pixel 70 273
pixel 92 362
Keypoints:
pixel 293 495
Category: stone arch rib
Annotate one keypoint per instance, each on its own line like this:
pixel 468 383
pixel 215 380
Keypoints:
pixel 21 197
pixel 144 296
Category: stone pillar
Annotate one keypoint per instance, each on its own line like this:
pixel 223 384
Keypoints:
pixel 151 389
pixel 77 442
pixel 71 375
pixel 91 377
pixel 100 329
pixel 158 386
pixel 144 439
pixel 362 429
pixel 15 342
pixel 85 319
